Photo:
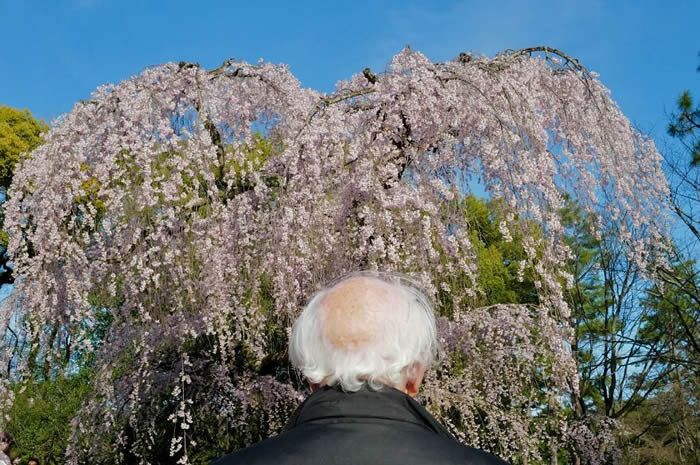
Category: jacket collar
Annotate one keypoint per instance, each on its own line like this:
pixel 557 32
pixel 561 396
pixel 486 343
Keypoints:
pixel 330 403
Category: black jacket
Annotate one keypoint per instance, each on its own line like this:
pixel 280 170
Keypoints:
pixel 368 427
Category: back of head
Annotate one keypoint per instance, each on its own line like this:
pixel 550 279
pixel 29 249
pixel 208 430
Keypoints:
pixel 366 327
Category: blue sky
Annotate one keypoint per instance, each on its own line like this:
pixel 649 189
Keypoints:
pixel 57 52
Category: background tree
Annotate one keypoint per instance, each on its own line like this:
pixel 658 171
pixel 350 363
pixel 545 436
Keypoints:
pixel 634 337
pixel 40 418
pixel 145 205
pixel 685 125
pixel 681 278
pixel 684 174
pixel 662 428
pixel 665 428
pixel 20 133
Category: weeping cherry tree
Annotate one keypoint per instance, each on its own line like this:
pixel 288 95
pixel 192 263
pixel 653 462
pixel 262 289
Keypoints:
pixel 188 214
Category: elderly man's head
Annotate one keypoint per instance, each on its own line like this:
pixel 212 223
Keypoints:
pixel 368 327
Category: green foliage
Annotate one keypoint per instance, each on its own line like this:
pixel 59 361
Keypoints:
pixel 20 133
pixel 665 430
pixel 636 346
pixel 587 301
pixel 254 158
pixel 685 125
pixel 673 317
pixel 497 258
pixel 236 167
pixel 40 418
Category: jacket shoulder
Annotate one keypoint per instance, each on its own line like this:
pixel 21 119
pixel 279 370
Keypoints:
pixel 359 443
pixel 258 454
pixel 479 457
pixel 449 450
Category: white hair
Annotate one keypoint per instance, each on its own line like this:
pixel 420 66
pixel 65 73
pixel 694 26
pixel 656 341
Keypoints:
pixel 408 337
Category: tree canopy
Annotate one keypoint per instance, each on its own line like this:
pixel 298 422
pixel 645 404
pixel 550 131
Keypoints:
pixel 20 133
pixel 685 124
pixel 192 212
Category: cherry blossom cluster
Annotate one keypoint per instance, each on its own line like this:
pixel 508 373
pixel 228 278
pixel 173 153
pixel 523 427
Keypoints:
pixel 154 210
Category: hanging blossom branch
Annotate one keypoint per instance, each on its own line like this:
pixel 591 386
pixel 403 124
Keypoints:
pixel 192 213
pixel 509 57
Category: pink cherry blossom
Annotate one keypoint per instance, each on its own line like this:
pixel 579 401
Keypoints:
pixel 146 204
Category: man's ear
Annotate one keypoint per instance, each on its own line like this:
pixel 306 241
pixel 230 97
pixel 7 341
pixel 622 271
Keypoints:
pixel 414 379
